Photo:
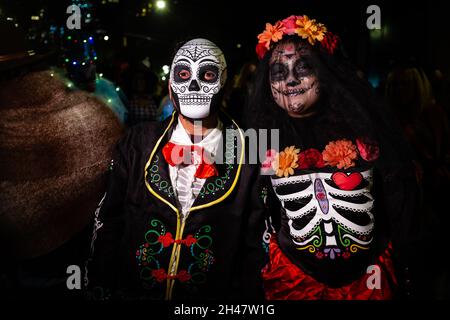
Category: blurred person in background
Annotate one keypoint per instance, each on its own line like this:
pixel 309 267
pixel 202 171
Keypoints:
pixel 85 78
pixel 423 120
pixel 241 89
pixel 166 107
pixel 441 88
pixel 55 149
pixel 144 93
pixel 425 125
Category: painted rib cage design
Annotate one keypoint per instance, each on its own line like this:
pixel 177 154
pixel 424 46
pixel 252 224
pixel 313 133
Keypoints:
pixel 333 222
pixel 194 99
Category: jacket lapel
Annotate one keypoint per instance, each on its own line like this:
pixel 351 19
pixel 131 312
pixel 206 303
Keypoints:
pixel 157 177
pixel 216 189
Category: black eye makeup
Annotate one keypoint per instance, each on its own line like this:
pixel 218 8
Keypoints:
pixel 181 73
pixel 302 69
pixel 208 73
pixel 278 72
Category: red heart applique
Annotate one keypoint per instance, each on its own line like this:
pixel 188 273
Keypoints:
pixel 347 182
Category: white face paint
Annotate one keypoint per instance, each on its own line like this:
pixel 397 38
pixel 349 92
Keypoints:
pixel 294 82
pixel 197 74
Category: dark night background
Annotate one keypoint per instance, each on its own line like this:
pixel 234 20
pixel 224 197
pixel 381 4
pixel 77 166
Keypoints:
pixel 414 34
pixel 414 30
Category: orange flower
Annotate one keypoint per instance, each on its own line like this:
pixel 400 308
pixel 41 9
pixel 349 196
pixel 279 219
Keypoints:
pixel 272 33
pixel 340 153
pixel 285 162
pixel 310 29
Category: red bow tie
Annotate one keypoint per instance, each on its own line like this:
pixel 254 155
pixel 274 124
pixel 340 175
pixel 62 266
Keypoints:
pixel 181 154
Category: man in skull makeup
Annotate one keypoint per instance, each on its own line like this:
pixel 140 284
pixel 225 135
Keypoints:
pixel 177 223
pixel 196 78
pixel 341 191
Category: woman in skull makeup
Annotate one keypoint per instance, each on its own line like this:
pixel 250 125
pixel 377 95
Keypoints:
pixel 341 192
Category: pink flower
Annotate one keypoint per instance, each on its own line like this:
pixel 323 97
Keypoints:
pixel 266 166
pixel 290 24
pixel 368 150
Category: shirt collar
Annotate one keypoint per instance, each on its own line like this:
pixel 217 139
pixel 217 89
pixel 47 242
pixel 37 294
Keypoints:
pixel 210 142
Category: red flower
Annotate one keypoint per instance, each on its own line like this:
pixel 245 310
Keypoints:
pixel 159 275
pixel 166 239
pixel 183 276
pixel 190 240
pixel 330 42
pixel 368 150
pixel 310 158
pixel 261 50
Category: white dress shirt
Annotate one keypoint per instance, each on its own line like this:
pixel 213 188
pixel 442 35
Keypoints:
pixel 185 184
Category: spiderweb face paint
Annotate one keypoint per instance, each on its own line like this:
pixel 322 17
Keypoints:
pixel 294 82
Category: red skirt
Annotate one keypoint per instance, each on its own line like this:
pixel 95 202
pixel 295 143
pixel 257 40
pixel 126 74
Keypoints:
pixel 283 280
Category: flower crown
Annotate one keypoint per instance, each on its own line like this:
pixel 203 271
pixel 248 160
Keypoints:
pixel 302 26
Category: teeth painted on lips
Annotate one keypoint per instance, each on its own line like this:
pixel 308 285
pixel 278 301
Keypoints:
pixel 194 98
pixel 294 92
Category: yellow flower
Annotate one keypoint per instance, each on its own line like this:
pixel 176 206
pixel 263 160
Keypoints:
pixel 285 162
pixel 272 33
pixel 310 29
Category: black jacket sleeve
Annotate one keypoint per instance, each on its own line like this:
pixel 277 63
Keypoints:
pixel 100 268
pixel 254 256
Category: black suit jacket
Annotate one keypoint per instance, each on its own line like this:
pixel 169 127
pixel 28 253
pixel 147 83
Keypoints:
pixel 142 247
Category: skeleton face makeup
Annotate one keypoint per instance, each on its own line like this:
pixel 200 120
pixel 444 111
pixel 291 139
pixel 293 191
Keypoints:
pixel 198 73
pixel 294 83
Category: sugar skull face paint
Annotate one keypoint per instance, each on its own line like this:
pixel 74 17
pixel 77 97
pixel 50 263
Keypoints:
pixel 198 73
pixel 293 80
